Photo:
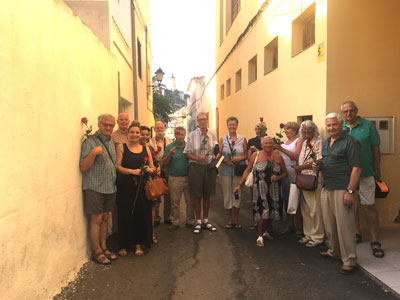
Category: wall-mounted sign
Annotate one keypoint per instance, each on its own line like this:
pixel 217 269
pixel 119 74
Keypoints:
pixel 321 52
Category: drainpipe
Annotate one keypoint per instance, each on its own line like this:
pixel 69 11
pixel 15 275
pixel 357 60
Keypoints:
pixel 134 65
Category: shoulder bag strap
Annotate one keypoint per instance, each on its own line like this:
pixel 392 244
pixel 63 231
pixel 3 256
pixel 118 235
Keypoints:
pixel 108 151
pixel 258 152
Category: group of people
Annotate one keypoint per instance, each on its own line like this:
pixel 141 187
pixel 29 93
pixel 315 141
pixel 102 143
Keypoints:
pixel 116 165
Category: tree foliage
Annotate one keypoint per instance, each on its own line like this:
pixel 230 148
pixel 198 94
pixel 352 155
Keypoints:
pixel 163 106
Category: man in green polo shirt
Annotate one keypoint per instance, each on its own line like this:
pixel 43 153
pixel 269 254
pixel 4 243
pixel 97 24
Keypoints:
pixel 341 168
pixel 178 168
pixel 365 132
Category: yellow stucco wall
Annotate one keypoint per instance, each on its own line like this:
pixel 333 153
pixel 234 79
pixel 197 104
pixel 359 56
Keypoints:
pixel 297 87
pixel 364 66
pixel 53 71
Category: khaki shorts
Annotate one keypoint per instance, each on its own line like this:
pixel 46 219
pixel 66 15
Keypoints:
pixel 202 181
pixel 367 190
pixel 97 203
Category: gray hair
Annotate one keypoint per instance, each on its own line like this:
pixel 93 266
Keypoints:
pixel 103 117
pixel 266 137
pixel 349 102
pixel 309 124
pixel 202 113
pixel 334 115
pixel 180 128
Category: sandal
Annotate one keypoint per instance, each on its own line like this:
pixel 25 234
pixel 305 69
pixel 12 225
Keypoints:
pixel 260 241
pixel 346 270
pixel 209 227
pixel 358 238
pixel 253 227
pixel 101 258
pixel 123 252
pixel 228 226
pixel 377 251
pixel 197 228
pixel 155 241
pixel 139 251
pixel 237 226
pixel 267 236
pixel 299 234
pixel 110 255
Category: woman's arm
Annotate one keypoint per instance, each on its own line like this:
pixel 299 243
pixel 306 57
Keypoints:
pixel 279 160
pixel 246 172
pixel 151 168
pixel 121 169
pixel 244 156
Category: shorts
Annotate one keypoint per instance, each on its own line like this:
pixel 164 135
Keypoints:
pixel 367 190
pixel 202 181
pixel 97 203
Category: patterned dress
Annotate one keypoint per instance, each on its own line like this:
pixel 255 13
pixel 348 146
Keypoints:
pixel 267 198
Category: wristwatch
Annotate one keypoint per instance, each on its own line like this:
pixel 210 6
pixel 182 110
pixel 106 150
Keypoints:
pixel 351 191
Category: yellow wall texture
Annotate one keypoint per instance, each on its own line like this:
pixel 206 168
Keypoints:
pixel 142 22
pixel 297 87
pixel 53 72
pixel 364 66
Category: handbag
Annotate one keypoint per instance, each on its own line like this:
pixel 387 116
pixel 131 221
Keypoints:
pixel 239 169
pixel 294 199
pixel 306 182
pixel 381 189
pixel 250 178
pixel 156 187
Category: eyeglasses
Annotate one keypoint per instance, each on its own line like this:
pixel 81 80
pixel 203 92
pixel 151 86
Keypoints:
pixel 349 111
pixel 202 119
pixel 107 125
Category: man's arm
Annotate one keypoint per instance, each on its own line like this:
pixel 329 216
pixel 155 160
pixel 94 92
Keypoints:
pixel 200 159
pixel 353 184
pixel 88 161
pixel 376 155
pixel 167 157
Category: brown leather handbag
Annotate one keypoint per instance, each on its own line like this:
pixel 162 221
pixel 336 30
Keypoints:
pixel 156 187
pixel 306 182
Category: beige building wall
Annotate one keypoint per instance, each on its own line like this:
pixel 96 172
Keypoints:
pixel 53 72
pixel 364 66
pixel 111 21
pixel 297 87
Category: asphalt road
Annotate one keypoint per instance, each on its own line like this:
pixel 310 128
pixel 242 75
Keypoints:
pixel 226 264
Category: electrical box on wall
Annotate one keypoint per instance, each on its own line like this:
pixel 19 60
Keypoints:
pixel 385 127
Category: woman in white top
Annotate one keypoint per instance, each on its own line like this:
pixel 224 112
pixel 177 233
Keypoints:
pixel 290 150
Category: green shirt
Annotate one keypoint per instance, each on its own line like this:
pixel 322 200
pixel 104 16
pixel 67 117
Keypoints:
pixel 179 163
pixel 339 160
pixel 366 133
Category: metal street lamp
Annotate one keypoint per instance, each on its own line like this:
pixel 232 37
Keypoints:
pixel 159 75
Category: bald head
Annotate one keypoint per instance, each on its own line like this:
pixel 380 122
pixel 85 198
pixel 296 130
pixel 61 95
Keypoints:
pixel 123 121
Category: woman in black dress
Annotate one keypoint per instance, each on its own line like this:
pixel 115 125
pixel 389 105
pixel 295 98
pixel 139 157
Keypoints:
pixel 134 210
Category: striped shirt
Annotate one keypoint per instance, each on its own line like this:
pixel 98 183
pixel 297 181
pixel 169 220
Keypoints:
pixel 101 176
pixel 194 144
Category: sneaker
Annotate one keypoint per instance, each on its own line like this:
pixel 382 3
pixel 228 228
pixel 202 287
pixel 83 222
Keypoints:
pixel 173 227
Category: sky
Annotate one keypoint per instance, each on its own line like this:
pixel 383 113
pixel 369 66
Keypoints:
pixel 182 39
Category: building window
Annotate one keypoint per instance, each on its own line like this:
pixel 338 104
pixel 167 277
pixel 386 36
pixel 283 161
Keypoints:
pixel 228 87
pixel 303 30
pixel 238 80
pixel 235 9
pixel 231 12
pixel 253 69
pixel 301 119
pixel 271 56
pixel 222 91
pixel 139 55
